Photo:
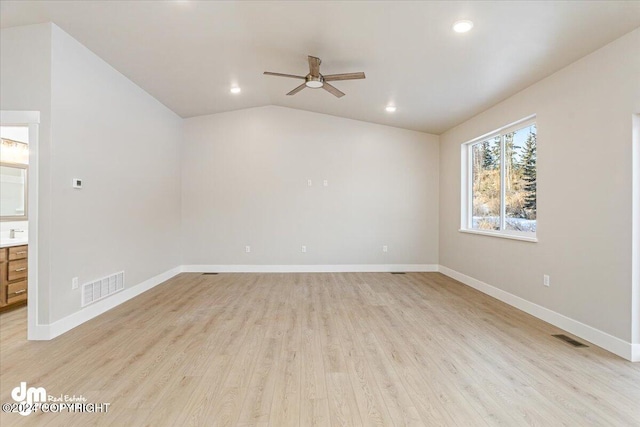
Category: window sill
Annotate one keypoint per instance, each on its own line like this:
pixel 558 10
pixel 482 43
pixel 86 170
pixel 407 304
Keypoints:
pixel 501 235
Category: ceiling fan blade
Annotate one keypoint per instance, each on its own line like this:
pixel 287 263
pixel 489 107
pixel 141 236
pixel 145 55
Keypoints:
pixel 345 76
pixel 269 73
pixel 333 90
pixel 298 89
pixel 314 66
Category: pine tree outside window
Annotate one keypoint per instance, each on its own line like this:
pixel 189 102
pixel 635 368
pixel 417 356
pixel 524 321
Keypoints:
pixel 499 192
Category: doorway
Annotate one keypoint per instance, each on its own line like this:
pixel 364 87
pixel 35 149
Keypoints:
pixel 19 214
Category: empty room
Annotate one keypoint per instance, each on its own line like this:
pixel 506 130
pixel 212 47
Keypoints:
pixel 319 213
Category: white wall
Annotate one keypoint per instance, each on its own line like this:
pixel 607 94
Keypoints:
pixel 125 146
pixel 99 126
pixel 244 179
pixel 584 115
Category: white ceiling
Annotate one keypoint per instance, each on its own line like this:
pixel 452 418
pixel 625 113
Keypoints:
pixel 187 54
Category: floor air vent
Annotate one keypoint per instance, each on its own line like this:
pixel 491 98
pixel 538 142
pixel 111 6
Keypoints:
pixel 209 274
pixel 570 340
pixel 398 272
pixel 102 288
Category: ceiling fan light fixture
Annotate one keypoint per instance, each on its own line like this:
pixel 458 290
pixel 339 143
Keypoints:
pixel 462 26
pixel 391 108
pixel 314 82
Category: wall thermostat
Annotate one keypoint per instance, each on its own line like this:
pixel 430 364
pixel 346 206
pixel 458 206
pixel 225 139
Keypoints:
pixel 77 183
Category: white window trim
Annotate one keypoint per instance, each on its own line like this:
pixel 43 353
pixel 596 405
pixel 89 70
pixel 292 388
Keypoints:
pixel 466 195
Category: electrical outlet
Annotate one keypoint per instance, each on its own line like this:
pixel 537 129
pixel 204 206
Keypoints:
pixel 545 280
pixel 247 249
pixel 304 249
pixel 74 283
pixel 325 182
pixel 385 248
pixel 309 182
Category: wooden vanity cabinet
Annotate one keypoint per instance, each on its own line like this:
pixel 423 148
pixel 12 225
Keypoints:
pixel 13 276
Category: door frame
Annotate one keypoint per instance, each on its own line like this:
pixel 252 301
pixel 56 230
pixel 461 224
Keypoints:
pixel 31 119
pixel 635 240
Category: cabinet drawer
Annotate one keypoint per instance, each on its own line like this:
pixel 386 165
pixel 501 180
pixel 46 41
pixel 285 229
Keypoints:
pixel 17 269
pixel 17 252
pixel 16 288
pixel 3 254
pixel 17 292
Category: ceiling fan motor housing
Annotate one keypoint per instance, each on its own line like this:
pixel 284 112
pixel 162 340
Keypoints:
pixel 314 82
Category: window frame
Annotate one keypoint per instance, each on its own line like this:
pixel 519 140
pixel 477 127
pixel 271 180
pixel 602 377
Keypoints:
pixel 466 202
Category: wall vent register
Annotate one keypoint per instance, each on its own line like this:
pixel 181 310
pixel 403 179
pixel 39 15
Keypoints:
pixel 102 288
pixel 569 340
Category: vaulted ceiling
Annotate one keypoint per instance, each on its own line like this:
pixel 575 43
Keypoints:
pixel 188 54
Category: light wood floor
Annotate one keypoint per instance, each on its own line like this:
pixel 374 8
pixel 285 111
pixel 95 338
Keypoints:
pixel 319 349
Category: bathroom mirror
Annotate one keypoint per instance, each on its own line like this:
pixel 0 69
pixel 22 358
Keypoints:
pixel 13 192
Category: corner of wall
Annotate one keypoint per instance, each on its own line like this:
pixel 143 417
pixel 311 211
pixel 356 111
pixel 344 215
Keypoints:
pixel 602 339
pixel 635 235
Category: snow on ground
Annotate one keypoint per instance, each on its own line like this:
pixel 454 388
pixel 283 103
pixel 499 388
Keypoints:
pixel 519 224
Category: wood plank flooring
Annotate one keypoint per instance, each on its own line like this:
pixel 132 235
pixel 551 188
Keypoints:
pixel 343 349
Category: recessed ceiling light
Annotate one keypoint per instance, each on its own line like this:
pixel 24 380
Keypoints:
pixel 462 26
pixel 391 108
pixel 235 89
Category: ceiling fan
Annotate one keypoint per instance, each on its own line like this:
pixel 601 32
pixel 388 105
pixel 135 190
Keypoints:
pixel 315 80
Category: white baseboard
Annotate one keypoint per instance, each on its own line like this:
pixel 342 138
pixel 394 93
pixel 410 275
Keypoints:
pixel 602 339
pixel 65 324
pixel 613 344
pixel 333 268
pixel 47 332
pixel 38 333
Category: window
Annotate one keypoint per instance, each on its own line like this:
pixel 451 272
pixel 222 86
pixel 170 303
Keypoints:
pixel 499 182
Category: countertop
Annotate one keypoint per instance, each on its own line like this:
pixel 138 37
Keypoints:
pixel 7 243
